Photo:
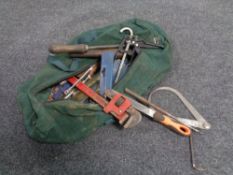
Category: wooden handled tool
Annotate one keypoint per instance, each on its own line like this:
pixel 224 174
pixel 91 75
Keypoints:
pixel 77 48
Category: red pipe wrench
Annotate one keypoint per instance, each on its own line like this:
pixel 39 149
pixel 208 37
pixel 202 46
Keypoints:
pixel 123 111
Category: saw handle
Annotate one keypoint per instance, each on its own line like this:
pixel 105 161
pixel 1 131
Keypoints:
pixel 171 124
pixel 64 48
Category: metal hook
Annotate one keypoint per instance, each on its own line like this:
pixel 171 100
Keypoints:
pixel 129 29
pixel 199 168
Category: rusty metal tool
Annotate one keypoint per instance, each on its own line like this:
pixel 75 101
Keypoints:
pixel 123 113
pixel 78 48
pixel 159 117
pixel 85 51
pixel 128 44
pixel 84 77
pixel 93 83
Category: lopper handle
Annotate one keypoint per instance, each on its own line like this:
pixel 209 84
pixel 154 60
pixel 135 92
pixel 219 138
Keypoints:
pixel 64 48
pixel 171 124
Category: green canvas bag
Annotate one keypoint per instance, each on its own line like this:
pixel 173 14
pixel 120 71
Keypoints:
pixel 66 121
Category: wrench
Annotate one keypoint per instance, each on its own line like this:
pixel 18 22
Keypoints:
pixel 125 115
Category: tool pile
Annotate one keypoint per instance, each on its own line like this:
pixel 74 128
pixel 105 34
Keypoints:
pixel 100 77
pixel 95 84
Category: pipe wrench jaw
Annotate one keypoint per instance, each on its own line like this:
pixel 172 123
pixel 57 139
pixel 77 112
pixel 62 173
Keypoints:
pixel 120 104
pixel 134 118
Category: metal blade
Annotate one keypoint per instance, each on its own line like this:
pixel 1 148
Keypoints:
pixel 134 116
pixel 142 108
pixel 191 123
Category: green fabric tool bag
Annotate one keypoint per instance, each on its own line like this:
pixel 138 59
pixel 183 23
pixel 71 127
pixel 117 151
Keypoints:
pixel 66 121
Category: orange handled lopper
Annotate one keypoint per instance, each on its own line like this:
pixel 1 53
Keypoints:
pixel 170 123
pixel 163 119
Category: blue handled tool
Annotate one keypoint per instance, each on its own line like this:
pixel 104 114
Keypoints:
pixel 106 71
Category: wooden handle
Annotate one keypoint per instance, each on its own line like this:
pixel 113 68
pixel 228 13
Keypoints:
pixel 171 124
pixel 64 48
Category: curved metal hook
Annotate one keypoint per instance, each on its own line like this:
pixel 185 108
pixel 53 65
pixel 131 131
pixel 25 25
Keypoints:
pixel 199 168
pixel 129 29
